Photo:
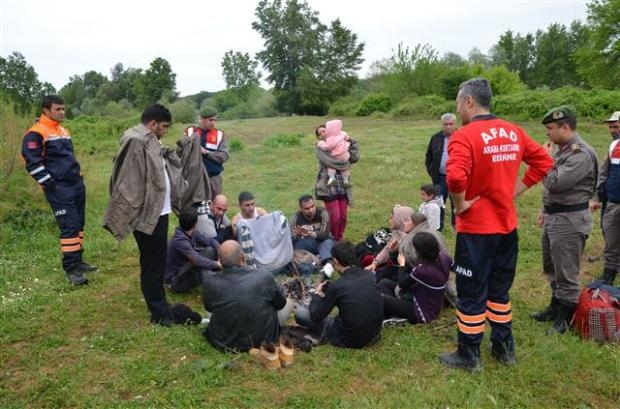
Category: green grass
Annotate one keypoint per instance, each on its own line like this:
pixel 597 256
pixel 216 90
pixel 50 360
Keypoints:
pixel 94 347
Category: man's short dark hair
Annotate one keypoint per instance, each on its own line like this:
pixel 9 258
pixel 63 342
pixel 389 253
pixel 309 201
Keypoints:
pixel 156 112
pixel 570 121
pixel 304 199
pixel 48 100
pixel 479 89
pixel 344 253
pixel 245 196
pixel 188 219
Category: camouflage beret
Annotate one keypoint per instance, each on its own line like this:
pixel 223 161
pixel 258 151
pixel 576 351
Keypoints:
pixel 558 113
pixel 208 112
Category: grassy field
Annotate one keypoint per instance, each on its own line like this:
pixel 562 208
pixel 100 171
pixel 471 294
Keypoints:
pixel 93 346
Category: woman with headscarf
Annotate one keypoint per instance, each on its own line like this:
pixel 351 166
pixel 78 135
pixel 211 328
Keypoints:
pixel 400 224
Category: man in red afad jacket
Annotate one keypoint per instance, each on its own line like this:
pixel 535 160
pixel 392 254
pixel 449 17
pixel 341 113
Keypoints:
pixel 482 172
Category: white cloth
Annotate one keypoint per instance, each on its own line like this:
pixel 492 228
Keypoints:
pixel 271 237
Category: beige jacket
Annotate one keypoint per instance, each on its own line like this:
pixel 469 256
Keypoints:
pixel 138 185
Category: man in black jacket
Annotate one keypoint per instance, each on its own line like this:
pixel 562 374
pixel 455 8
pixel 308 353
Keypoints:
pixel 436 158
pixel 243 303
pixel 360 307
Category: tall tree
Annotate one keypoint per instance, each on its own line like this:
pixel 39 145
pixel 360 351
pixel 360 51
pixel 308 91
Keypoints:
pixel 599 58
pixel 157 79
pixel 412 71
pixel 554 65
pixel 298 45
pixel 516 53
pixel 20 83
pixel 240 75
pixel 334 73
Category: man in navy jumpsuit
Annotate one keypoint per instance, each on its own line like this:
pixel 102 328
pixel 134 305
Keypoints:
pixel 50 160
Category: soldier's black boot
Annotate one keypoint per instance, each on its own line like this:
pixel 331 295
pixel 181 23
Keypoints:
pixel 563 319
pixel 608 277
pixel 470 361
pixel 504 353
pixel 549 313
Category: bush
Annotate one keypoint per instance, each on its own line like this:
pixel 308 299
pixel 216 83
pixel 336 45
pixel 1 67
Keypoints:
pixel 99 134
pixel 284 140
pixel 235 145
pixel 183 111
pixel 373 103
pixel 532 105
pixel 427 106
pixel 346 106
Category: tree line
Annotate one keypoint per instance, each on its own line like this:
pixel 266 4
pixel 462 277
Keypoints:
pixel 312 69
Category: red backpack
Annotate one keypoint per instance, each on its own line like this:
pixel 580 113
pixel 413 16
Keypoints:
pixel 598 313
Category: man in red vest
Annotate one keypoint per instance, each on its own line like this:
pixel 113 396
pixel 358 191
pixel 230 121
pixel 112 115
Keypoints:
pixel 214 147
pixel 48 152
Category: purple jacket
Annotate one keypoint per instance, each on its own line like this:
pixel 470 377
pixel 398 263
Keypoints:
pixel 426 283
pixel 183 249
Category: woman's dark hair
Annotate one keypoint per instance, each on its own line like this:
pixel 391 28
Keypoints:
pixel 426 246
pixel 316 130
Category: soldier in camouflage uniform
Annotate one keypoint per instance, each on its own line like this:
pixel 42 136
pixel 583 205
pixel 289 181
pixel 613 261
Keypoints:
pixel 566 218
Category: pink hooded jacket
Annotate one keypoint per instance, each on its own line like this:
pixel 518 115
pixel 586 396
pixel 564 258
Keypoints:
pixel 335 142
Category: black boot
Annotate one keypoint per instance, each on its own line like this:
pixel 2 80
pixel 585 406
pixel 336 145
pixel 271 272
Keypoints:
pixel 608 277
pixel 549 313
pixel 504 353
pixel 455 359
pixel 564 318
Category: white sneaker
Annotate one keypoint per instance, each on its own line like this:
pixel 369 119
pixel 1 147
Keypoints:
pixel 395 322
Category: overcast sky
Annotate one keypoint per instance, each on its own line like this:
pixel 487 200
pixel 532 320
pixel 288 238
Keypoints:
pixel 62 38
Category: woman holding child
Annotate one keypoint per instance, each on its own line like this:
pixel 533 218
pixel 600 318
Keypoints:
pixel 332 182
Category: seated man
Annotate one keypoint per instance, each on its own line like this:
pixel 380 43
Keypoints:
pixel 247 209
pixel 243 303
pixel 189 252
pixel 360 307
pixel 311 230
pixel 212 219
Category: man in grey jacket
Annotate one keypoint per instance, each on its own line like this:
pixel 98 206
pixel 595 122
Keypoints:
pixel 140 201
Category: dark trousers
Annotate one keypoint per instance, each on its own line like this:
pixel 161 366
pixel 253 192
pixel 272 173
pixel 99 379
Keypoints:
pixel 485 267
pixel 189 276
pixel 443 191
pixel 68 202
pixel 395 307
pixel 153 267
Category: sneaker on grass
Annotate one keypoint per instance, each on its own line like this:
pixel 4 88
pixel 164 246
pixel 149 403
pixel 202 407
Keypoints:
pixel 395 322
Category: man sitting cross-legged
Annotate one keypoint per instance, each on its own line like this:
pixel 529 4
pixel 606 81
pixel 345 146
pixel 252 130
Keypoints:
pixel 189 253
pixel 311 230
pixel 243 303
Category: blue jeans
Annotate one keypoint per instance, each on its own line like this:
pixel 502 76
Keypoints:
pixel 321 248
pixel 320 329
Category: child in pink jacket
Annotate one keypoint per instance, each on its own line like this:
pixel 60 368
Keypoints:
pixel 335 141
